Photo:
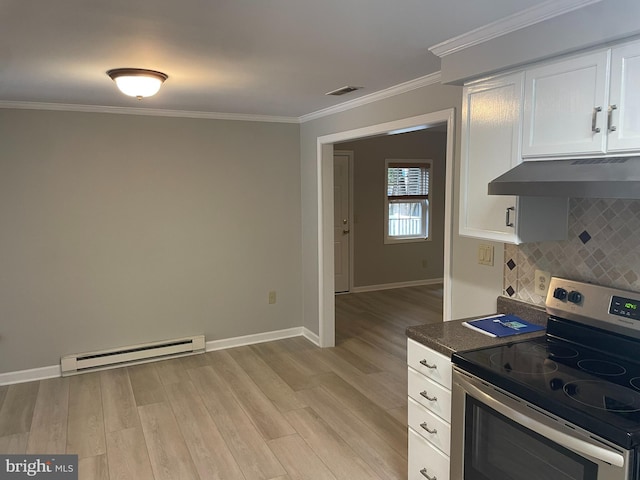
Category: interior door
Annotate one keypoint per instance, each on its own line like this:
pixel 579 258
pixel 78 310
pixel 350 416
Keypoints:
pixel 341 221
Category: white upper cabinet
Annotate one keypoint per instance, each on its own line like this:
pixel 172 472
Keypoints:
pixel 565 108
pixel 491 121
pixel 623 112
pixel 587 105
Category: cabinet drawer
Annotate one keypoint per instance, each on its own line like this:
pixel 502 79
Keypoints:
pixel 429 363
pixel 426 461
pixel 429 394
pixel 429 426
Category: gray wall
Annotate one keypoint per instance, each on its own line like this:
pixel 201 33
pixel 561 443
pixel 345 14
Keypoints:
pixel 377 263
pixel 119 229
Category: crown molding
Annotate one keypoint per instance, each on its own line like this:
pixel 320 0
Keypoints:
pixel 517 21
pixel 152 112
pixel 342 107
pixel 374 97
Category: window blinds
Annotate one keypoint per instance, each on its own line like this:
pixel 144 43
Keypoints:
pixel 407 181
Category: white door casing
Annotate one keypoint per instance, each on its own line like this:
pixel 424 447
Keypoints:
pixel 324 169
pixel 342 220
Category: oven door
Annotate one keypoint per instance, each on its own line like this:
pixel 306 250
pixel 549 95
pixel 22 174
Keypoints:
pixel 495 435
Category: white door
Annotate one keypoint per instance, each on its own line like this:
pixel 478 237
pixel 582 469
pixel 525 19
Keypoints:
pixel 565 110
pixel 624 101
pixel 341 223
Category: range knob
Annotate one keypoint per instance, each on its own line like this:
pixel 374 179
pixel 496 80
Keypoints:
pixel 560 293
pixel 574 297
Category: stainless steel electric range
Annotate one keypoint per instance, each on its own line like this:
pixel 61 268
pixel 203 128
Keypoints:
pixel 562 406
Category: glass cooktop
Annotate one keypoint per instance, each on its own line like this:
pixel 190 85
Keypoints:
pixel 594 390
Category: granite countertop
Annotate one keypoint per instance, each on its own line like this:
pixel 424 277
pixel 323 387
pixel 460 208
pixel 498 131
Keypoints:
pixel 450 337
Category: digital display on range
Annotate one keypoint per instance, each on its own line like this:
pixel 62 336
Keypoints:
pixel 625 307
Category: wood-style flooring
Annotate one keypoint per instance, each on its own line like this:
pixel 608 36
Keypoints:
pixel 281 410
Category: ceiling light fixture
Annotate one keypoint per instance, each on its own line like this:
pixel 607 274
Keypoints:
pixel 137 82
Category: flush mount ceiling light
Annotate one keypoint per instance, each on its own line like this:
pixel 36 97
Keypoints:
pixel 137 82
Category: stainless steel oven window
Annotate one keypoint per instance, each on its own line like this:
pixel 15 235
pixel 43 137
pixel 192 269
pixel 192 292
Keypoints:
pixel 468 441
pixel 497 447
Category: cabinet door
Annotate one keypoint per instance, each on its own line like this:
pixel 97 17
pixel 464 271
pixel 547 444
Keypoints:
pixel 565 109
pixel 491 114
pixel 624 100
pixel 425 461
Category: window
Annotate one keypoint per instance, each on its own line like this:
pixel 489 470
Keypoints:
pixel 407 200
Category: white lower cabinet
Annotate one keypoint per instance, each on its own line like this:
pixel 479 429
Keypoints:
pixel 429 412
pixel 429 426
pixel 426 461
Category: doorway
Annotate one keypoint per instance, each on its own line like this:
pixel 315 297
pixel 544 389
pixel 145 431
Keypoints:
pixel 325 151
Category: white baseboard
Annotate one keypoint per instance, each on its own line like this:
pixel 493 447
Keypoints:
pixel 389 286
pixel 311 336
pixel 31 375
pixel 53 371
pixel 261 338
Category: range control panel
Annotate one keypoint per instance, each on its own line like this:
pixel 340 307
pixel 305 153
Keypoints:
pixel 625 307
pixel 597 305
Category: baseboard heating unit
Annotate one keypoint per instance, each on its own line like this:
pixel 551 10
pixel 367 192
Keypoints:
pixel 131 355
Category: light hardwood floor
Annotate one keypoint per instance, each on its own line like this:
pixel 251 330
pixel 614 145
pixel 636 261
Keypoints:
pixel 280 410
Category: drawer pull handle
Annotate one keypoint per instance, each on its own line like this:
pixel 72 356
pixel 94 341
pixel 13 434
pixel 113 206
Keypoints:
pixel 424 473
pixel 426 395
pixel 426 427
pixel 426 364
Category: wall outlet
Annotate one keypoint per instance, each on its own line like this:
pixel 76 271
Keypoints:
pixel 425 263
pixel 541 282
pixel 485 254
pixel 272 297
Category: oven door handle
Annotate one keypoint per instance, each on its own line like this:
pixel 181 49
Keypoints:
pixel 582 446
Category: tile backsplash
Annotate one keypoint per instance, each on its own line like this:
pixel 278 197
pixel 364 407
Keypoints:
pixel 603 247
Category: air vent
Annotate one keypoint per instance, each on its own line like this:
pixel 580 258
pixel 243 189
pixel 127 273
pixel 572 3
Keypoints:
pixel 343 90
pixel 597 161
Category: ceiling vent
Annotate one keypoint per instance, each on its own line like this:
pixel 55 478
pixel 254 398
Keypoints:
pixel 343 90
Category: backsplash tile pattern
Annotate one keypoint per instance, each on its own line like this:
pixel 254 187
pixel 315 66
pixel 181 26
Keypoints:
pixel 603 247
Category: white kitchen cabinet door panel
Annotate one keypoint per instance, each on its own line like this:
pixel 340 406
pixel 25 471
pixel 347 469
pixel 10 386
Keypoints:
pixel 624 99
pixel 491 113
pixel 429 394
pixel 426 461
pixel 565 107
pixel 491 136
pixel 430 363
pixel 429 426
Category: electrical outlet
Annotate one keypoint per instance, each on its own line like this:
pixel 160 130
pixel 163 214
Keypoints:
pixel 272 297
pixel 541 282
pixel 425 263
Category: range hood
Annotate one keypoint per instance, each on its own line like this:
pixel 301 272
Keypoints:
pixel 582 178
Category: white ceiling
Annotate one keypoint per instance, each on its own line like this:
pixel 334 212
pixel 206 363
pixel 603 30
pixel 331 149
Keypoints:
pixel 258 57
